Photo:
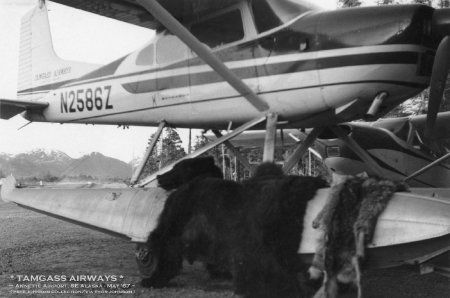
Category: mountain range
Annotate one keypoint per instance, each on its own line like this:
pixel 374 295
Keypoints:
pixel 41 162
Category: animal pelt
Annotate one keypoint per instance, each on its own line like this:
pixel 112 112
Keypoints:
pixel 267 169
pixel 271 235
pixel 188 169
pixel 196 223
pixel 252 229
pixel 348 222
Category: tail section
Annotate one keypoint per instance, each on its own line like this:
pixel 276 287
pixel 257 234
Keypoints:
pixel 40 69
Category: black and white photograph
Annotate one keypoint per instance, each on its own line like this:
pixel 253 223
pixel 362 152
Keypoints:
pixel 225 148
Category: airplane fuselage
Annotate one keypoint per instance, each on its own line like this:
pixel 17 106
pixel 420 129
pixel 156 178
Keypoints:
pixel 320 67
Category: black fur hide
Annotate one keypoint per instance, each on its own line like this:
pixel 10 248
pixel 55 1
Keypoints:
pixel 196 224
pixel 252 229
pixel 187 170
pixel 271 235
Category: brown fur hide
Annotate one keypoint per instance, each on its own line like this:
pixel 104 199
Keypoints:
pixel 348 222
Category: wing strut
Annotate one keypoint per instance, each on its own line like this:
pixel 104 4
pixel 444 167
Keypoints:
pixel 203 52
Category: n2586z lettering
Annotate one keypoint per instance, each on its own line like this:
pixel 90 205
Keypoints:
pixel 86 99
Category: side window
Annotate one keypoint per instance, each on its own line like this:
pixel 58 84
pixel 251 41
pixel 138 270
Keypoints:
pixel 169 49
pixel 219 30
pixel 146 56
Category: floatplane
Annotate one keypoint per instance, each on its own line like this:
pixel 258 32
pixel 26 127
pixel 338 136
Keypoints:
pixel 239 65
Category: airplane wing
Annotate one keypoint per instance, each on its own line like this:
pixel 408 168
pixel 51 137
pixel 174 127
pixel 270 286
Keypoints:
pixel 10 107
pixel 131 12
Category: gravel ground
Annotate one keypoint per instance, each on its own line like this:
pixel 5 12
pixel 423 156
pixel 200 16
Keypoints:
pixel 32 244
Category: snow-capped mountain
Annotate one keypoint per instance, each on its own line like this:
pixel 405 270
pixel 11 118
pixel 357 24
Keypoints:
pixel 100 166
pixel 43 162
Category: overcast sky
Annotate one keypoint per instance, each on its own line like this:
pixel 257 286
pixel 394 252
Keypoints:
pixel 79 36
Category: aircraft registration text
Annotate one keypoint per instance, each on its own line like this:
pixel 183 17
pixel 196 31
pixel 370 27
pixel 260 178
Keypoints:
pixel 86 99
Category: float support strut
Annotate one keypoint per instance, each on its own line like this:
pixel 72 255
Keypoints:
pixel 301 149
pixel 207 147
pixel 348 140
pixel 270 140
pixel 149 151
pixel 427 167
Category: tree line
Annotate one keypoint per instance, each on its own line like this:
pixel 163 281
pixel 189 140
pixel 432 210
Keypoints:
pixel 169 149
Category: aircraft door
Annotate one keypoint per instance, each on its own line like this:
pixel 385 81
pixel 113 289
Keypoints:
pixel 224 33
pixel 172 79
pixel 288 75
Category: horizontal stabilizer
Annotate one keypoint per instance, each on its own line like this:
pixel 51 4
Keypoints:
pixel 128 212
pixel 9 108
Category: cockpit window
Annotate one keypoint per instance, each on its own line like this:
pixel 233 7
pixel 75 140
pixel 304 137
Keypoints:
pixel 170 48
pixel 219 30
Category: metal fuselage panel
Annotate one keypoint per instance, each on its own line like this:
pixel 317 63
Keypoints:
pixel 334 61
